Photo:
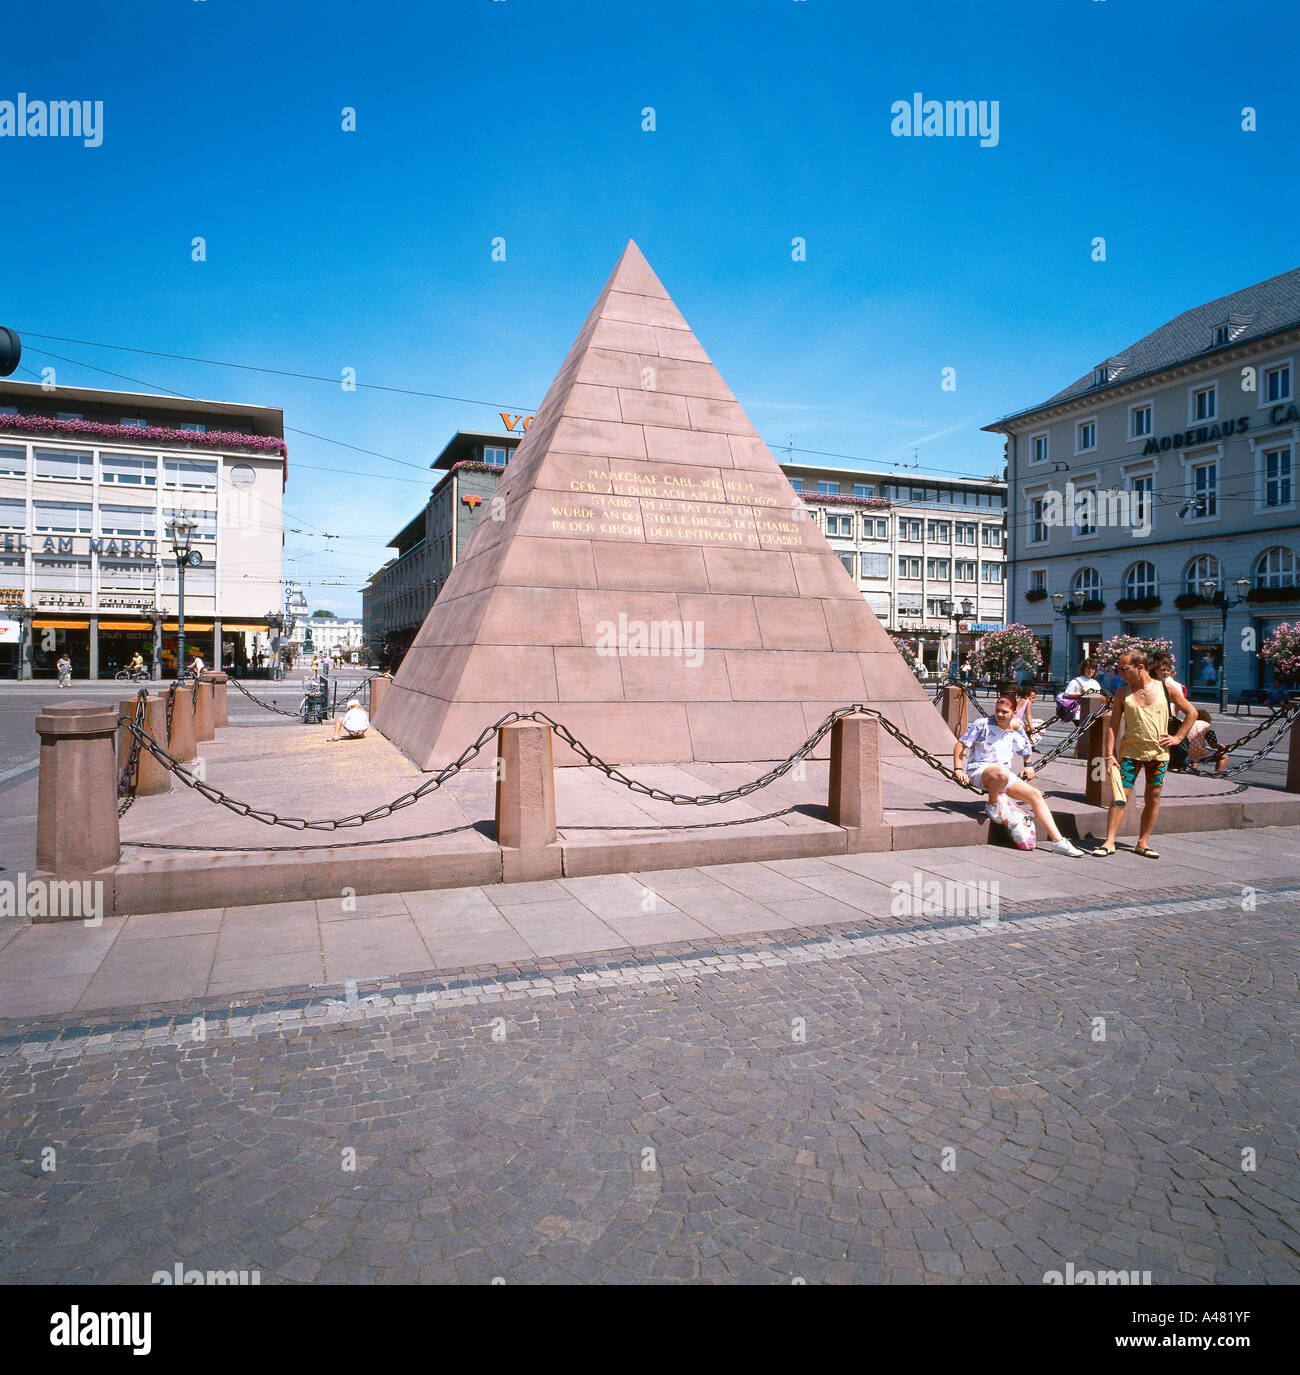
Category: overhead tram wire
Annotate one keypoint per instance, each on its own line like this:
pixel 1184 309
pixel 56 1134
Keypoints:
pixel 406 391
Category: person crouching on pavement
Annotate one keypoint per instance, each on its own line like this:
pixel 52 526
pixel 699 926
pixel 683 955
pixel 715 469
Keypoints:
pixel 1202 744
pixel 353 724
pixel 992 740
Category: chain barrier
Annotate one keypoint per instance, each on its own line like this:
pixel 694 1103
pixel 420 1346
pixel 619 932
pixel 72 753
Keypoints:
pixel 126 780
pixel 268 706
pixel 1283 718
pixel 194 699
pixel 171 708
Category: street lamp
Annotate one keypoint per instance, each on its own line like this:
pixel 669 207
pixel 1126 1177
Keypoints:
pixel 1068 607
pixel 1212 593
pixel 946 610
pixel 181 532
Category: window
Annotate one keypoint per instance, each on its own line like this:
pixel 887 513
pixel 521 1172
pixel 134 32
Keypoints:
pixel 1140 580
pixel 938 569
pixel 192 474
pixel 134 522
pixel 131 423
pixel 75 465
pixel 847 561
pixel 130 575
pixel 965 570
pixel 69 415
pixel 1085 436
pixel 1101 375
pixel 1204 402
pixel 909 530
pixel 863 489
pixel 873 565
pixel 875 527
pixel 1142 489
pixel 1220 335
pixel 1205 491
pixel 1037 525
pixel 1087 581
pixel 1277 383
pixel 1277 476
pixel 1038 448
pixel 13 513
pixel 990 572
pixel 496 457
pixel 193 427
pixel 13 460
pixel 60 575
pixel 909 568
pixel 129 470
pixel 1085 511
pixel 1202 567
pixel 967 533
pixel 796 483
pixel 60 518
pixel 937 606
pixel 1038 580
pixel 840 525
pixel 939 532
pixel 991 536
pixel 199 582
pixel 828 489
pixel 1140 425
pixel 1275 567
pixel 8 410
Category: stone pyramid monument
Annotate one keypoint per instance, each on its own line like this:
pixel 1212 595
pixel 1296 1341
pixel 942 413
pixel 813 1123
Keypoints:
pixel 648 576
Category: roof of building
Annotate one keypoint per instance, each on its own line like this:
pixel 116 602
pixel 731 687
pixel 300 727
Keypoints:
pixel 908 475
pixel 1253 313
pixel 463 443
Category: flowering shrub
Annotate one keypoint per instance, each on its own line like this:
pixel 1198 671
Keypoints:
pixel 999 653
pixel 147 434
pixel 1282 651
pixel 1107 653
pixel 906 647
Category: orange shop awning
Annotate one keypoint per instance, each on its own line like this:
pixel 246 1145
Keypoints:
pixel 191 627
pixel 243 625
pixel 126 625
pixel 60 625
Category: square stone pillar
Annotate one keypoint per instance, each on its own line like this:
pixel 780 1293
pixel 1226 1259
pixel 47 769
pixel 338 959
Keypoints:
pixel 76 808
pixel 181 743
pixel 855 800
pixel 954 710
pixel 220 711
pixel 93 635
pixel 204 723
pixel 1087 705
pixel 525 803
pixel 378 688
pixel 1097 791
pixel 1292 761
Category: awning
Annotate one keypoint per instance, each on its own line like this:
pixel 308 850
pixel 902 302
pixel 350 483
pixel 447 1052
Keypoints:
pixel 191 627
pixel 126 625
pixel 60 625
pixel 248 626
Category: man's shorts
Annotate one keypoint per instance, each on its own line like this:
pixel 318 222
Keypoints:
pixel 1154 769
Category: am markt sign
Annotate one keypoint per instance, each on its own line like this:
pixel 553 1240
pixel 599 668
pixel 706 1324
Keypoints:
pixel 81 544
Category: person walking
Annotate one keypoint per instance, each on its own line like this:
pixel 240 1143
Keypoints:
pixel 64 666
pixel 992 740
pixel 1084 682
pixel 1142 709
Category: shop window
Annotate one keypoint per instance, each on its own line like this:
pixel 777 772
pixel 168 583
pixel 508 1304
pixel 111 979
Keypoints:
pixel 1275 567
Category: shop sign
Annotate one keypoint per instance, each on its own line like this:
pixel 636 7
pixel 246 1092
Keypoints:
pixel 11 595
pixel 10 632
pixel 978 627
pixel 1202 434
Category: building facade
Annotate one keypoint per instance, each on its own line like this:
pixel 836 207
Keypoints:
pixel 1169 466
pixel 90 482
pixel 397 598
pixel 338 636
pixel 912 545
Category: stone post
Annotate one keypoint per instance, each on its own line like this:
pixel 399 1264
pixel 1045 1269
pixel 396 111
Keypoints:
pixel 183 744
pixel 204 725
pixel 1292 761
pixel 1087 705
pixel 854 800
pixel 954 710
pixel 378 688
pixel 76 806
pixel 150 776
pixel 1096 789
pixel 525 802
pixel 220 713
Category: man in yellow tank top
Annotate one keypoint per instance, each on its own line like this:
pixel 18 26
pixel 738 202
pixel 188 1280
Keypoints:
pixel 1141 709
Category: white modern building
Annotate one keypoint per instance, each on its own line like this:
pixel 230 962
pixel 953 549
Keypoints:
pixel 338 636
pixel 90 484
pixel 1158 492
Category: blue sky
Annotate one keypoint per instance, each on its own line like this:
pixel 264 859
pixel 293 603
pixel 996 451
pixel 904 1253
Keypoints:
pixel 522 119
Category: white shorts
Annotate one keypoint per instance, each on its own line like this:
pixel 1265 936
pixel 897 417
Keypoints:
pixel 976 772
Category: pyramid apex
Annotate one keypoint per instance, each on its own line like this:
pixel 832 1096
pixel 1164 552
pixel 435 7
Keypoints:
pixel 634 275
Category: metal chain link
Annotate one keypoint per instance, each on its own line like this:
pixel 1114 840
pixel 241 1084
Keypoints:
pixel 1284 718
pixel 171 708
pixel 268 706
pixel 126 780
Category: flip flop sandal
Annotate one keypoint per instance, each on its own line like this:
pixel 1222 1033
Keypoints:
pixel 1146 853
pixel 1103 851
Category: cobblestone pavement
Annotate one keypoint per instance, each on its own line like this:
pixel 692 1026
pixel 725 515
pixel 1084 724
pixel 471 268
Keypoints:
pixel 862 1104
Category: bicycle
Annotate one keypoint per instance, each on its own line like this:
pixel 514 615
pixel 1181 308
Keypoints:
pixel 126 675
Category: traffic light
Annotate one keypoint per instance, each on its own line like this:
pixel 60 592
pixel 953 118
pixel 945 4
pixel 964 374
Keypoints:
pixel 11 351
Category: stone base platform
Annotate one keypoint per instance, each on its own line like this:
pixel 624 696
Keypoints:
pixel 181 852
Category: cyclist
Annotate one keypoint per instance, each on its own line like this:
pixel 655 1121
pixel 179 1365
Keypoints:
pixel 136 667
